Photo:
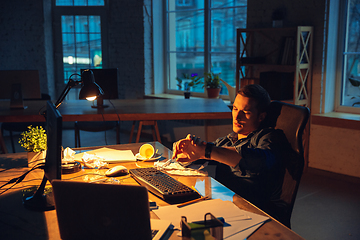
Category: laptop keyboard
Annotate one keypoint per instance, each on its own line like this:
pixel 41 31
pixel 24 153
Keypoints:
pixel 163 186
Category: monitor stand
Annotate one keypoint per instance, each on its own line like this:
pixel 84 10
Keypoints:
pixel 16 101
pixel 99 103
pixel 39 201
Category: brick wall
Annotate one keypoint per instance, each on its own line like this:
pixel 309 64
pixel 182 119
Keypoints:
pixel 22 38
pixel 26 42
pixel 126 45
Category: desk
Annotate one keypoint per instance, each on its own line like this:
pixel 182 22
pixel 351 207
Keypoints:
pixel 121 109
pixel 124 109
pixel 16 222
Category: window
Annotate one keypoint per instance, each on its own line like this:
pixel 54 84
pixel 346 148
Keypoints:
pixel 196 45
pixel 78 39
pixel 79 3
pixel 349 97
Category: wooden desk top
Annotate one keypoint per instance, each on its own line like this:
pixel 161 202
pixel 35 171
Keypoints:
pixel 16 222
pixel 123 110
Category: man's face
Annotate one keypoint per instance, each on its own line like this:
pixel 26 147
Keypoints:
pixel 246 117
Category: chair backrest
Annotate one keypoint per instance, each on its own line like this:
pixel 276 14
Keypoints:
pixel 292 119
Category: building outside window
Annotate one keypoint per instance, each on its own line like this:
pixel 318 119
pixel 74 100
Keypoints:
pixel 201 37
pixel 349 97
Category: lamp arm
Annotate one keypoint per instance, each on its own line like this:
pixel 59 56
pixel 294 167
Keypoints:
pixel 71 83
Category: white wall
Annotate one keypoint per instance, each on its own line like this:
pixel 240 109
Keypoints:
pixel 335 149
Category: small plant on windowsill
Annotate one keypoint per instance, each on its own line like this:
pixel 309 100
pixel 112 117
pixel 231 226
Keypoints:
pixel 212 84
pixel 35 143
pixel 190 81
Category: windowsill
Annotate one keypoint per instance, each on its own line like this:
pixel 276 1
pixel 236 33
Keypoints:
pixel 174 96
pixel 337 119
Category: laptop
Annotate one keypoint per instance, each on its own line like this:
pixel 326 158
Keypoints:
pixel 105 211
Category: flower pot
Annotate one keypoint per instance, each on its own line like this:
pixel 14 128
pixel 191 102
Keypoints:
pixel 35 158
pixel 187 95
pixel 213 92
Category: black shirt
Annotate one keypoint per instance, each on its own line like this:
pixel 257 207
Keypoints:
pixel 259 175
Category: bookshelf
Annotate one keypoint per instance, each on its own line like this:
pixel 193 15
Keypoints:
pixel 277 58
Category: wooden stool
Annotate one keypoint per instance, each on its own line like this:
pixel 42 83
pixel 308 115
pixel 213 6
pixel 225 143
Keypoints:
pixel 155 130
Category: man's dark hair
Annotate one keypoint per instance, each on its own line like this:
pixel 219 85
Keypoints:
pixel 258 93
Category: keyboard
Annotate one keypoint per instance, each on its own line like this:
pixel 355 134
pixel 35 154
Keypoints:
pixel 163 186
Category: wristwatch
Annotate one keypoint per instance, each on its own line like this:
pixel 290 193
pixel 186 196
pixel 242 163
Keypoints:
pixel 208 148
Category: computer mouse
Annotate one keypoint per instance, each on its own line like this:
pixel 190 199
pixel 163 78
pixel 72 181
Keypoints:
pixel 118 170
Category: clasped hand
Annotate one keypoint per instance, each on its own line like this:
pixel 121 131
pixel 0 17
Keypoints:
pixel 189 149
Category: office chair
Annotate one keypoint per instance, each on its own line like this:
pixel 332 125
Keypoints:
pixel 22 126
pixel 107 79
pixel 292 119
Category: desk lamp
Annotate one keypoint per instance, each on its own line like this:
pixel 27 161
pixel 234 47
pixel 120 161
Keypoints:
pixel 40 200
pixel 90 90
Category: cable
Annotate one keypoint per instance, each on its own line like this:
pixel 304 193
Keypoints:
pixel 19 179
pixel 22 166
pixel 102 114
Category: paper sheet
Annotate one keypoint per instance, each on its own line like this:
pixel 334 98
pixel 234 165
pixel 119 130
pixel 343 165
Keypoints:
pixel 110 155
pixel 242 223
pixel 174 168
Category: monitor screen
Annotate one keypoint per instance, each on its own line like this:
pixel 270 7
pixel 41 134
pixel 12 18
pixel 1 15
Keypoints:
pixel 29 80
pixel 107 79
pixel 54 142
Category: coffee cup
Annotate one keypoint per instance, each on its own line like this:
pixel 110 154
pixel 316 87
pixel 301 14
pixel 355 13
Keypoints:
pixel 146 151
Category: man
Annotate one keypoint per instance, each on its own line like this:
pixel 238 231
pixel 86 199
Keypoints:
pixel 249 160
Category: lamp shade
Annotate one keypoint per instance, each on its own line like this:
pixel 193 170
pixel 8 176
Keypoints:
pixel 90 89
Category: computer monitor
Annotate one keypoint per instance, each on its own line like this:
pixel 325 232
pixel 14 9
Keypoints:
pixel 29 80
pixel 41 201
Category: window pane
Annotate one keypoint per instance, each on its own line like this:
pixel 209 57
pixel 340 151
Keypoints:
pixel 95 50
pixel 186 39
pixel 94 24
pixel 223 28
pixel 79 3
pixel 351 76
pixel 226 65
pixel 189 35
pixel 228 3
pixel 186 64
pixel 175 5
pixel 81 44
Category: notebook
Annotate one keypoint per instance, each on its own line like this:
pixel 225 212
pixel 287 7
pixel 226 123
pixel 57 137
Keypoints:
pixel 105 211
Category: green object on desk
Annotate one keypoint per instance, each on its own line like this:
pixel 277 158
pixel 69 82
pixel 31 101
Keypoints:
pixel 209 229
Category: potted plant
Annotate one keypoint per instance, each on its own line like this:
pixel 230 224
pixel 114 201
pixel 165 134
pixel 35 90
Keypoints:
pixel 35 143
pixel 212 84
pixel 192 81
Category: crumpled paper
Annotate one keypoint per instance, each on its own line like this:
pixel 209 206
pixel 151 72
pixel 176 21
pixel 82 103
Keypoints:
pixel 175 168
pixel 93 161
pixel 69 156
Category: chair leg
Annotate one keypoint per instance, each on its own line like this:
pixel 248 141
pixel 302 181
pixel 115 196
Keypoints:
pixel 2 144
pixel 139 131
pixel 132 131
pixel 157 132
pixel 118 133
pixel 12 141
pixel 77 137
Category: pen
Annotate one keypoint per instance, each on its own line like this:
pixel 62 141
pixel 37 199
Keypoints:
pixel 192 201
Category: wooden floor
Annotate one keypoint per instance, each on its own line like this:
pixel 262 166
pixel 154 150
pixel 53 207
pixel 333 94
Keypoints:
pixel 327 205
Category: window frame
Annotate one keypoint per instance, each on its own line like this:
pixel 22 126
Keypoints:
pixel 207 48
pixel 342 16
pixel 57 12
